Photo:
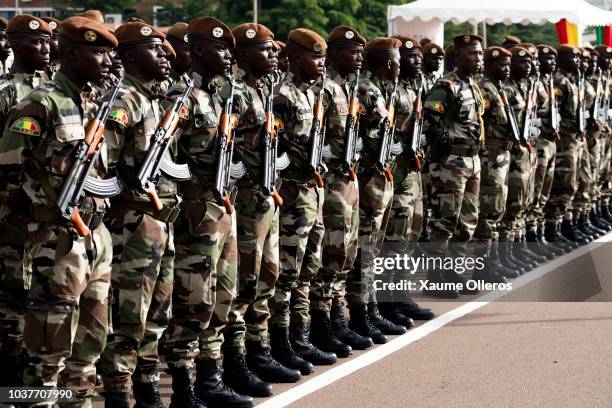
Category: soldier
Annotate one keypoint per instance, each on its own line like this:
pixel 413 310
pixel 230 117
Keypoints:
pixel 546 151
pixel 433 60
pixel 206 262
pixel 406 215
pixel 449 59
pixel 455 132
pixel 501 133
pixel 375 186
pixel 301 215
pixel 558 209
pixel 53 45
pixel 29 38
pixel 510 41
pixel 283 60
pixel 604 58
pixel 177 37
pixel 68 295
pixel 330 331
pixel 5 48
pixel 142 235
pixel 257 216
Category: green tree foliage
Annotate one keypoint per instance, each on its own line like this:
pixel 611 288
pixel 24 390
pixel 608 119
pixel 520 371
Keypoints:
pixel 532 33
pixel 106 6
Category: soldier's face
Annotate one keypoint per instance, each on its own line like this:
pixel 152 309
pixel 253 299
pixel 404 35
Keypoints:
pixel 54 48
pixel 410 64
pixel 349 57
pixel 584 64
pixel 33 50
pixel 500 69
pixel 94 60
pixel 214 57
pixel 604 62
pixel 521 67
pixel 569 63
pixel 469 59
pixel 151 59
pixel 261 58
pixel 5 49
pixel 535 66
pixel 548 64
pixel 311 64
pixel 116 65
pixel 182 62
pixel 592 65
pixel 433 62
pixel 394 64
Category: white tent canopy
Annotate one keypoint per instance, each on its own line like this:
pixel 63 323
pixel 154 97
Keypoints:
pixel 502 11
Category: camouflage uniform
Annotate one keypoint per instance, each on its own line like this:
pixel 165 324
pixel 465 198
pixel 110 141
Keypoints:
pixel 606 155
pixel 494 159
pixel 66 317
pixel 301 216
pixel 341 206
pixel 523 161
pixel 566 161
pixel 14 278
pixel 375 190
pixel 143 244
pixel 257 222
pixel 206 262
pixel 546 150
pixel 453 108
pixel 585 177
pixel 430 81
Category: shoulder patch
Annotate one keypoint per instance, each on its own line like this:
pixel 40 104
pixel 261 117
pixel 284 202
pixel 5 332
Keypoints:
pixel 438 107
pixel 26 125
pixel 558 91
pixel 279 125
pixel 119 115
pixel 184 113
pixel 487 103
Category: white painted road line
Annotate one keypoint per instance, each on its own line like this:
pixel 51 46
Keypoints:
pixel 382 351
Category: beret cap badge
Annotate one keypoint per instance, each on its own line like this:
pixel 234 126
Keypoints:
pixel 90 36
pixel 34 25
pixel 217 32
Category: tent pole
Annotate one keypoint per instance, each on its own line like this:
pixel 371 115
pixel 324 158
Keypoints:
pixel 484 33
pixel 475 28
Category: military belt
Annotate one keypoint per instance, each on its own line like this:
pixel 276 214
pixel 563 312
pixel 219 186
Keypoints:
pixel 166 214
pixel 463 150
pixel 502 144
pixel 42 213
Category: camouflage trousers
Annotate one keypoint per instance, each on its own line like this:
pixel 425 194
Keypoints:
pixel 204 283
pixel 523 162
pixel 582 200
pixel 544 174
pixel 257 221
pixel 375 197
pixel 66 319
pixel 495 165
pixel 340 241
pixel 427 185
pixel 606 168
pixel 141 293
pixel 15 275
pixel 565 182
pixel 596 152
pixel 300 236
pixel 454 200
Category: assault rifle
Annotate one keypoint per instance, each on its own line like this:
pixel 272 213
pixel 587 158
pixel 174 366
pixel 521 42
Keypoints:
pixel 554 107
pixel 351 131
pixel 155 162
pixel 531 110
pixel 388 130
pixel 225 151
pixel 581 104
pixel 271 145
pixel 87 152
pixel 516 135
pixel 317 135
pixel 417 126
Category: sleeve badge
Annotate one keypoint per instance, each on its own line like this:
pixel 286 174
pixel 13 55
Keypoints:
pixel 119 115
pixel 26 125
pixel 184 113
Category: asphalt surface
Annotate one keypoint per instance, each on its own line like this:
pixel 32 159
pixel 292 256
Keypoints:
pixel 544 344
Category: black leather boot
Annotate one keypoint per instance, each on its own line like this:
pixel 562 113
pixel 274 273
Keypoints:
pixel 282 351
pixel 390 312
pixel 435 277
pixel 408 307
pixel 598 220
pixel 322 335
pixel 595 231
pixel 147 395
pixel 298 336
pixel 571 232
pixel 384 325
pixel 116 399
pixel 182 390
pixel 562 238
pixel 527 250
pixel 262 363
pixel 346 335
pixel 514 252
pixel 494 263
pixel 360 323
pixel 606 213
pixel 553 249
pixel 535 246
pixel 237 385
pixel 490 273
pixel 504 251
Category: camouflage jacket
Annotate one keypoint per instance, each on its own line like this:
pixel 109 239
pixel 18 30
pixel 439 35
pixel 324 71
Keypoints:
pixel 546 97
pixel 197 130
pixel 567 93
pixel 453 105
pixel 406 96
pixel 129 130
pixel 337 94
pixel 15 87
pixel 249 108
pixel 590 94
pixel 497 123
pixel 372 113
pixel 41 133
pixel 293 112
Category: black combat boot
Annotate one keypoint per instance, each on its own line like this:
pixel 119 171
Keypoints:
pixel 147 395
pixel 360 323
pixel 598 220
pixel 238 376
pixel 116 399
pixel 553 249
pixel 571 232
pixel 490 272
pixel 344 334
pixel 298 336
pixel 494 263
pixel 606 212
pixel 530 251
pixel 322 335
pixel 210 388
pixel 283 352
pixel 535 246
pixel 390 311
pixel 562 238
pixel 262 363
pixel 595 231
pixel 182 390
pixel 515 254
pixel 435 277
pixel 385 325
pixel 408 307
pixel 504 251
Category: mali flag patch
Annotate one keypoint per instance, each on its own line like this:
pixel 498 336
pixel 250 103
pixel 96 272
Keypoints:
pixel 438 107
pixel 184 113
pixel 27 126
pixel 119 115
